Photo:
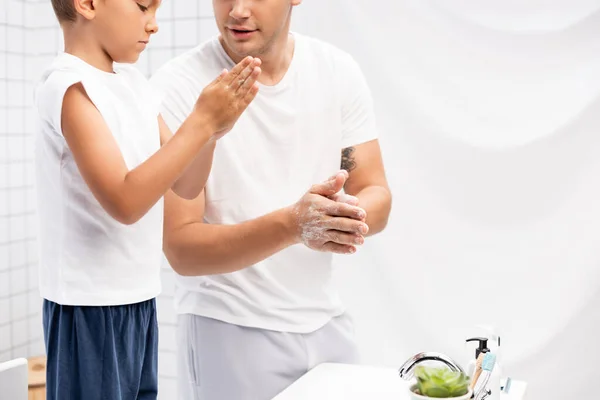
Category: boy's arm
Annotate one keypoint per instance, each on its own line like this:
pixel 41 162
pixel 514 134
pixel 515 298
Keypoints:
pixel 128 195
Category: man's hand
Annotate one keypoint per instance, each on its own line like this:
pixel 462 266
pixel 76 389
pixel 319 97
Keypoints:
pixel 345 198
pixel 326 220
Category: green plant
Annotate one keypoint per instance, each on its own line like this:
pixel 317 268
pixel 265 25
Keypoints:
pixel 441 382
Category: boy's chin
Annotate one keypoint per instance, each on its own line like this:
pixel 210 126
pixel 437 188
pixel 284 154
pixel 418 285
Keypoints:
pixel 128 58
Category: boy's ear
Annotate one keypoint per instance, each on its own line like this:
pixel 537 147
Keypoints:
pixel 86 8
pixel 296 2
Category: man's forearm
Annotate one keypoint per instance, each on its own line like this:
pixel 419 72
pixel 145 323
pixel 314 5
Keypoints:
pixel 206 249
pixel 377 202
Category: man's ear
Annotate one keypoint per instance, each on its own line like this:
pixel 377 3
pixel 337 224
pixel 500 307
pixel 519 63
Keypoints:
pixel 86 8
pixel 296 2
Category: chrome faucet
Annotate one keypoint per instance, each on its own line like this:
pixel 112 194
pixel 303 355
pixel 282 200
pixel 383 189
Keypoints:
pixel 406 370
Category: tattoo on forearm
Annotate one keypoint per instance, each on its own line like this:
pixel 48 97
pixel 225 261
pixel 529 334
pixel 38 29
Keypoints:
pixel 348 161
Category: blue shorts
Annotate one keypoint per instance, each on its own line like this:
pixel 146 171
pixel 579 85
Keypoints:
pixel 101 353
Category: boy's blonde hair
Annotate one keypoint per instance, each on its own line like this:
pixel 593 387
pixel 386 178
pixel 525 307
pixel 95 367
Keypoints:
pixel 64 10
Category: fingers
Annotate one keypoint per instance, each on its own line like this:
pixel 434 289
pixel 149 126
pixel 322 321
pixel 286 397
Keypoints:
pixel 249 81
pixel 338 248
pixel 344 238
pixel 250 95
pixel 345 198
pixel 231 77
pixel 245 80
pixel 341 171
pixel 347 225
pixel 222 75
pixel 334 209
pixel 330 187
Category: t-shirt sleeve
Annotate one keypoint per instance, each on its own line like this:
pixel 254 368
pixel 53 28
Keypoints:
pixel 51 93
pixel 358 116
pixel 176 95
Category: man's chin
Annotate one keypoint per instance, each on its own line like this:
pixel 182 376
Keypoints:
pixel 244 51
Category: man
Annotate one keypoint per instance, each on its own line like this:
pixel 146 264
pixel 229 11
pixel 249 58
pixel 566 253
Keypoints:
pixel 254 296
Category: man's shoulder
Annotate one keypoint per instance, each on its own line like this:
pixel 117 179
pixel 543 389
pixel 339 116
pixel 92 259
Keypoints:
pixel 323 50
pixel 325 57
pixel 195 64
pixel 329 60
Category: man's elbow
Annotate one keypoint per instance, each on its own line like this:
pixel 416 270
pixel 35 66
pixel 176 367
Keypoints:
pixel 177 260
pixel 387 208
pixel 384 223
pixel 378 227
pixel 183 262
pixel 384 216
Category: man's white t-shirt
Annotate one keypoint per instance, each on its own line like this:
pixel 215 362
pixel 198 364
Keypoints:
pixel 87 258
pixel 289 138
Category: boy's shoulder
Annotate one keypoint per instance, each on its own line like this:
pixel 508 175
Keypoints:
pixel 64 71
pixel 56 78
pixel 61 67
pixel 66 65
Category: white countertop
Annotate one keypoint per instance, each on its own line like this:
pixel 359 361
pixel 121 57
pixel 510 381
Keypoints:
pixel 359 382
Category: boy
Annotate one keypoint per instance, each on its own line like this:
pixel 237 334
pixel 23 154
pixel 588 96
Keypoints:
pixel 104 160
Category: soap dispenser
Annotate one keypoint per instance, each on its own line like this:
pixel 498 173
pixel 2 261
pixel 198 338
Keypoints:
pixel 494 383
pixel 482 348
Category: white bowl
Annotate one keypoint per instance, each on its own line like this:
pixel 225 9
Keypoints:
pixel 415 396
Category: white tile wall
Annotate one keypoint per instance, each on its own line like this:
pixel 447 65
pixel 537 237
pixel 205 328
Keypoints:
pixel 20 318
pixel 29 39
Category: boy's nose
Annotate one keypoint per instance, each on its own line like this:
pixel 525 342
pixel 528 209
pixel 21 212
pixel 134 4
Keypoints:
pixel 152 27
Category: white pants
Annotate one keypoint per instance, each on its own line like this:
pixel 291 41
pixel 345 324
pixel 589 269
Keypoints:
pixel 220 361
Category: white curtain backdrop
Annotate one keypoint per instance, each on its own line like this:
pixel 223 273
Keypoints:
pixel 489 114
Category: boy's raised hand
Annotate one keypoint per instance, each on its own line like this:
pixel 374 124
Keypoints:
pixel 223 101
